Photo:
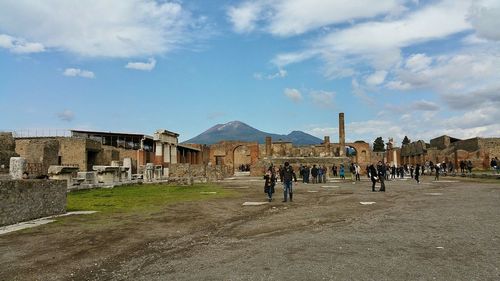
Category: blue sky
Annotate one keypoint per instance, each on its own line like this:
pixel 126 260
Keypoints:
pixel 395 67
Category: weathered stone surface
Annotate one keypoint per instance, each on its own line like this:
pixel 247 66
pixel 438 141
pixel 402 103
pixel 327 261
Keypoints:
pixel 22 200
pixel 17 167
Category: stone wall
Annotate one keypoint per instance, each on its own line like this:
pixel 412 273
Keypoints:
pixel 43 151
pixel 22 200
pixel 7 150
pixel 198 172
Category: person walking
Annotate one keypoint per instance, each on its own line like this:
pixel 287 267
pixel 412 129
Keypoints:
pixel 288 176
pixel 314 174
pixel 342 171
pixel 437 168
pixel 357 171
pixel 381 176
pixel 320 174
pixel 372 173
pixel 417 173
pixel 269 184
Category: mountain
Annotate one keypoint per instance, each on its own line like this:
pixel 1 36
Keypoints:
pixel 240 131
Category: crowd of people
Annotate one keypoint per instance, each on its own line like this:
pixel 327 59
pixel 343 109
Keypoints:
pixel 378 173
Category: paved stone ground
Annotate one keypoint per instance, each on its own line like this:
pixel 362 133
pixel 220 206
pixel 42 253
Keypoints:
pixel 445 230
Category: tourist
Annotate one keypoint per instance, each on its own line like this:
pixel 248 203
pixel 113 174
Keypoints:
pixel 314 174
pixel 357 170
pixel 393 172
pixel 352 170
pixel 372 173
pixel 437 168
pixel 469 167
pixel 411 171
pixel 270 178
pixel 307 172
pixel 320 174
pixel 417 173
pixel 342 172
pixel 381 175
pixel 334 171
pixel 288 175
pixel 493 164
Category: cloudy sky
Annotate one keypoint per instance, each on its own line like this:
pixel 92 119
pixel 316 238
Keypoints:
pixel 395 67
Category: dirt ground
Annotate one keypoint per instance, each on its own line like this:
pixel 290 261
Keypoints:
pixel 432 231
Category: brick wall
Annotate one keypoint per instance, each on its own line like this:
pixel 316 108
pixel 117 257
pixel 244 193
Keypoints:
pixel 22 200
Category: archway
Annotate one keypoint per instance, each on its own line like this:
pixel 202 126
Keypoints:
pixel 242 158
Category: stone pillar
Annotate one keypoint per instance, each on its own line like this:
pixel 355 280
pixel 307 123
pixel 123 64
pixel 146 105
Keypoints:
pixel 127 162
pixel 269 147
pixel 341 134
pixel 326 142
pixel 17 167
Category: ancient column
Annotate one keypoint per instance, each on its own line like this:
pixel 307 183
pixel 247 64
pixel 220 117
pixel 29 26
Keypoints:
pixel 341 134
pixel 326 143
pixel 269 147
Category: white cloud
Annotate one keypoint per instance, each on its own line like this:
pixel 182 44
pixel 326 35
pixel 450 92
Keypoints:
pixel 66 115
pixel 485 17
pixel 146 66
pixel 245 16
pixel 76 72
pixel 20 46
pixel 281 73
pixel 463 71
pixel 293 17
pixel 418 62
pixel 94 28
pixel 376 78
pixel 323 98
pixel 293 94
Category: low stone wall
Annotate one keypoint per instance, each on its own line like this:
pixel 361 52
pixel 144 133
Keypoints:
pixel 197 173
pixel 22 200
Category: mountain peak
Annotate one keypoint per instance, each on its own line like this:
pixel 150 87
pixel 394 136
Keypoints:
pixel 239 131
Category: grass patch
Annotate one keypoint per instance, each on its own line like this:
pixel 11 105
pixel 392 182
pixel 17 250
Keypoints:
pixel 140 198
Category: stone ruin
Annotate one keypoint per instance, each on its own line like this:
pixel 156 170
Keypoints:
pixel 7 150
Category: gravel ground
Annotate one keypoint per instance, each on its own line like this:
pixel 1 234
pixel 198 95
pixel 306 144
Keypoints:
pixel 432 231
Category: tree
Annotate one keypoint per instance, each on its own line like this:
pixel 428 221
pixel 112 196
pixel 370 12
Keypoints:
pixel 406 140
pixel 378 145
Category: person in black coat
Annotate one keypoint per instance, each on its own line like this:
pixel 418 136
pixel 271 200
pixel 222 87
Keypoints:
pixel 417 173
pixel 372 172
pixel 288 175
pixel 270 178
pixel 381 175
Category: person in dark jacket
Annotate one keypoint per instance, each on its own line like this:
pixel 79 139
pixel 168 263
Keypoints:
pixel 270 178
pixel 314 174
pixel 417 173
pixel 372 173
pixel 288 175
pixel 381 175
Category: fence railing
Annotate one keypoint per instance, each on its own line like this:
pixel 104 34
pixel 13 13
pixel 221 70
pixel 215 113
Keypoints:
pixel 41 133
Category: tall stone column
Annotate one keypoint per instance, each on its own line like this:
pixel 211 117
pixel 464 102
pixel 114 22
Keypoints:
pixel 269 147
pixel 341 134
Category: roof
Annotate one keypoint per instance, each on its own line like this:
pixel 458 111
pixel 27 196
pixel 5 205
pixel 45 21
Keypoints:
pixel 111 134
pixel 188 147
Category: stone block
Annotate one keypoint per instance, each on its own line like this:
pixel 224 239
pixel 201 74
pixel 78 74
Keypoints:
pixel 17 167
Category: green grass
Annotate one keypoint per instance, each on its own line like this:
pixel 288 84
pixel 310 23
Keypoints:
pixel 140 198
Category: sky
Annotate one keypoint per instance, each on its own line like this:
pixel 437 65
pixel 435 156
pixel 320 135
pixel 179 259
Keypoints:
pixel 394 67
